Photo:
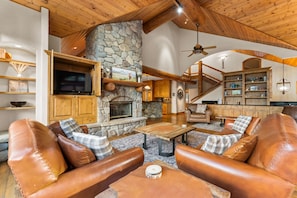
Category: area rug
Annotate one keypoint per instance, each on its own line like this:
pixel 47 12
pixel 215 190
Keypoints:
pixel 214 126
pixel 151 154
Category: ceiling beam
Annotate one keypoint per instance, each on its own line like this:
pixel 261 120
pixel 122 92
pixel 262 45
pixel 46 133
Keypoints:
pixel 165 75
pixel 193 11
pixel 288 61
pixel 160 19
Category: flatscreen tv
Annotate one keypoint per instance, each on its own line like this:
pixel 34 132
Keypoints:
pixel 76 83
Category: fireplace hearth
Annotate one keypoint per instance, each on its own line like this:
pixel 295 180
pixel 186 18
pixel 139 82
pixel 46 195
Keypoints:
pixel 120 109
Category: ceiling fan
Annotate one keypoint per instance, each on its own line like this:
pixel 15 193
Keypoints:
pixel 198 49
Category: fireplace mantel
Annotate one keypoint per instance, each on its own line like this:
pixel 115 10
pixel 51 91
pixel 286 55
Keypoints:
pixel 122 82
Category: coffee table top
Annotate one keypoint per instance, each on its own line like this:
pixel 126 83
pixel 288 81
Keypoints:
pixel 172 182
pixel 164 130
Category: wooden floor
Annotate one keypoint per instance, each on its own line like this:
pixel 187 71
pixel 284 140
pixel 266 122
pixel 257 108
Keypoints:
pixel 8 187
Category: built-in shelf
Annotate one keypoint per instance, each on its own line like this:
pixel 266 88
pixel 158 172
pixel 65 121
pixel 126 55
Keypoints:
pixel 17 93
pixel 16 108
pixel 17 78
pixel 122 82
pixel 30 64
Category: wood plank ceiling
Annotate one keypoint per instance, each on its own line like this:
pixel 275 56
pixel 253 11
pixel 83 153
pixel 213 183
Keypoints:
pixel 272 22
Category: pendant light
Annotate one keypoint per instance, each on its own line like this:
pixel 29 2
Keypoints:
pixel 283 85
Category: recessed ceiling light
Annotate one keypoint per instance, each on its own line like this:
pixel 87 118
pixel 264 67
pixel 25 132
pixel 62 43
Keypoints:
pixel 74 48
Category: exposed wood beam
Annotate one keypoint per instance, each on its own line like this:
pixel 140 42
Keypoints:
pixel 288 61
pixel 165 75
pixel 160 19
pixel 193 11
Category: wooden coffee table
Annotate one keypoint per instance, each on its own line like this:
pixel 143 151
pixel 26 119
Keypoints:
pixel 161 186
pixel 164 131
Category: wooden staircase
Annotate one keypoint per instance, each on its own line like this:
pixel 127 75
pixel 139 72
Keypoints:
pixel 206 83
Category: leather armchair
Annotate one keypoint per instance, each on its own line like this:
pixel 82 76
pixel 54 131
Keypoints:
pixel 269 172
pixel 192 116
pixel 39 167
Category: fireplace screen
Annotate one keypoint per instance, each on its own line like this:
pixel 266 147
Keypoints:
pixel 120 109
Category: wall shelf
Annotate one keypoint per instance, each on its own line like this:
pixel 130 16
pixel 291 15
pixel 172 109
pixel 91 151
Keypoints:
pixel 17 93
pixel 17 78
pixel 17 108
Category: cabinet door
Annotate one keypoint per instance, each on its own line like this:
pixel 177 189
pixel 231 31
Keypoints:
pixel 147 95
pixel 164 109
pixel 86 109
pixel 61 107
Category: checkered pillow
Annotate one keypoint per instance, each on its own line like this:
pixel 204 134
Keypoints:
pixel 100 146
pixel 241 123
pixel 217 144
pixel 69 126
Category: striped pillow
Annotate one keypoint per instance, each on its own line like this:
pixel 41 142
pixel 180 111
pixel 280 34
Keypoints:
pixel 69 126
pixel 241 123
pixel 100 146
pixel 217 144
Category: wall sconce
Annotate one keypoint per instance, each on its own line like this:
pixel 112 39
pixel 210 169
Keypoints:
pixel 223 58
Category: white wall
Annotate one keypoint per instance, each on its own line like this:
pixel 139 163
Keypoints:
pixel 21 34
pixel 160 49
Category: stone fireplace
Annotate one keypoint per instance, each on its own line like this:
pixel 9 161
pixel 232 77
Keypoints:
pixel 120 109
pixel 117 45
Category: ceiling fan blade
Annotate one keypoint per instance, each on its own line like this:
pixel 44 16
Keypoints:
pixel 204 52
pixel 186 50
pixel 209 47
pixel 191 54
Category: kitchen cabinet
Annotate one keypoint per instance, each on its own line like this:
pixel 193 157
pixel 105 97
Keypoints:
pixel 147 94
pixel 162 89
pixel 166 108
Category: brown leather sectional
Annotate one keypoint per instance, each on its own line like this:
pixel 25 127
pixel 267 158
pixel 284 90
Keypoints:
pixel 39 167
pixel 270 171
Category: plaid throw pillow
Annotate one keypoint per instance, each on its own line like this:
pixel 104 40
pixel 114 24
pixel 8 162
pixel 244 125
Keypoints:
pixel 241 123
pixel 217 144
pixel 100 146
pixel 69 126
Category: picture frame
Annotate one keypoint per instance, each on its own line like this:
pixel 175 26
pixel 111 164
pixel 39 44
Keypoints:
pixel 17 86
pixel 123 74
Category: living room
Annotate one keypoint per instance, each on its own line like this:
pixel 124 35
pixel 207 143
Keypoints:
pixel 161 49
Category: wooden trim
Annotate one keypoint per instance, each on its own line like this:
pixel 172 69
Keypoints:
pixel 165 75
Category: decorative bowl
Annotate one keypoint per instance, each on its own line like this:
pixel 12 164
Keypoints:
pixel 18 103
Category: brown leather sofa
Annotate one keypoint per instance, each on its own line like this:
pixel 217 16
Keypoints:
pixel 270 171
pixel 192 116
pixel 40 169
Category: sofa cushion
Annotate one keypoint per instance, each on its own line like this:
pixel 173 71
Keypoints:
pixel 242 149
pixel 217 144
pixel 241 123
pixel 76 153
pixel 201 108
pixel 100 146
pixel 69 126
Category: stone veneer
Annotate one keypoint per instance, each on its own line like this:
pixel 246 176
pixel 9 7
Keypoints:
pixel 152 109
pixel 117 45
